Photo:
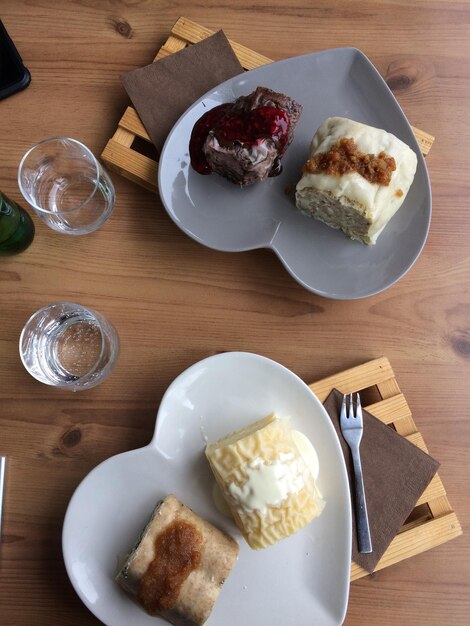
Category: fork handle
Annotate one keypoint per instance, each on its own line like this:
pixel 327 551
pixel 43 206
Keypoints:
pixel 362 520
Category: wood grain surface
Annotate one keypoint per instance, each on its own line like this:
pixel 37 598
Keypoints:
pixel 175 302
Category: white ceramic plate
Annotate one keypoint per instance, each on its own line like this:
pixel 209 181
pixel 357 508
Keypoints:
pixel 220 215
pixel 302 580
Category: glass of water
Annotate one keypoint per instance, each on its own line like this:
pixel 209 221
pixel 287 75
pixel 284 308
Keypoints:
pixel 66 345
pixel 66 186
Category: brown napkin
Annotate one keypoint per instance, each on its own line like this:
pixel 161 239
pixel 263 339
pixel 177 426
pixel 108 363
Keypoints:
pixel 396 473
pixel 162 91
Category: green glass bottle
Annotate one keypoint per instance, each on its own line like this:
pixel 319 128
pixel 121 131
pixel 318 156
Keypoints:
pixel 16 227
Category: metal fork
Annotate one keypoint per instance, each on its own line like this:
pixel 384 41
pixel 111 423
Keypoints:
pixel 352 427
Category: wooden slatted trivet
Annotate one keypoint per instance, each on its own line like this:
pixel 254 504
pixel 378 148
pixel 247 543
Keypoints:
pixel 433 521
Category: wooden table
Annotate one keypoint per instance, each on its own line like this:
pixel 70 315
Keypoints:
pixel 175 302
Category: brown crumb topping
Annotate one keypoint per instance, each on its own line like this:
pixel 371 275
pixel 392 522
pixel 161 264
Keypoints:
pixel 345 157
pixel 399 193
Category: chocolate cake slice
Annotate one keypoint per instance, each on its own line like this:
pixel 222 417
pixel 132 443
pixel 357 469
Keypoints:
pixel 245 140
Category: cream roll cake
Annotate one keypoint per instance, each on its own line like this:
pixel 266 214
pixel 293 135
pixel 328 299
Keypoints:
pixel 356 178
pixel 265 480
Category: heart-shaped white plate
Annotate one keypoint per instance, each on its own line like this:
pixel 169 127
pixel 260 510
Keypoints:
pixel 302 580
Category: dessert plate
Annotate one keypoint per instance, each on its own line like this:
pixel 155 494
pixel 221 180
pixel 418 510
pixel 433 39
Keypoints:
pixel 113 503
pixel 340 82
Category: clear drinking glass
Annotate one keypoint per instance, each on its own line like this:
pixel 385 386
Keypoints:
pixel 66 345
pixel 66 186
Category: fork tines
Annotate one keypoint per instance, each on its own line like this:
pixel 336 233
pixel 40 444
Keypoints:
pixel 344 412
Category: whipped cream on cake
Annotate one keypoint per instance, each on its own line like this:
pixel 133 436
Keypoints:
pixel 356 178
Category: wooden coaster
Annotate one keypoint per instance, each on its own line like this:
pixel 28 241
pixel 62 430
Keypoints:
pixel 433 521
pixel 122 152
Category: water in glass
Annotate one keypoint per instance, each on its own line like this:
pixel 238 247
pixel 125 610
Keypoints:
pixel 67 186
pixel 67 345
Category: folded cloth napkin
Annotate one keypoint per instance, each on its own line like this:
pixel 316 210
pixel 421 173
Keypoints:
pixel 162 91
pixel 396 473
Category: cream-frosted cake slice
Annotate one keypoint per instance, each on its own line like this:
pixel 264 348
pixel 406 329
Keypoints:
pixel 265 481
pixel 356 178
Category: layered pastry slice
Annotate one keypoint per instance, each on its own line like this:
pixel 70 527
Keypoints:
pixel 356 178
pixel 179 565
pixel 265 481
pixel 245 140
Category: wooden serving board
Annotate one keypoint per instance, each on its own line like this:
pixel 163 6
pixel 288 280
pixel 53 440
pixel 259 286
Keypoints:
pixel 433 521
pixel 122 153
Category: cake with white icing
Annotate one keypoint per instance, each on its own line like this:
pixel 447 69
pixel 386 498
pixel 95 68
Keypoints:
pixel 356 178
pixel 265 481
